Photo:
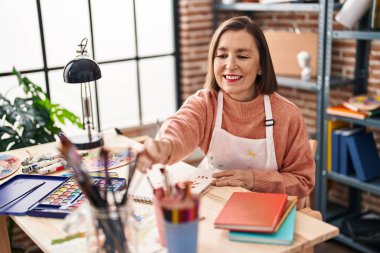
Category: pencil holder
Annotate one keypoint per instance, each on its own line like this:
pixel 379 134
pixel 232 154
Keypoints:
pixel 108 230
pixel 181 237
pixel 159 221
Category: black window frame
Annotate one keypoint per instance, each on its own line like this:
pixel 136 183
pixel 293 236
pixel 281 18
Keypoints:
pixel 137 58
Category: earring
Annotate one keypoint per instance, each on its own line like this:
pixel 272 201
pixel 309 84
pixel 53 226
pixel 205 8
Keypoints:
pixel 259 72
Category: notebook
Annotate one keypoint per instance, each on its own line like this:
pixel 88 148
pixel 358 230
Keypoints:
pixel 252 211
pixel 290 203
pixel 201 180
pixel 283 236
pixel 364 155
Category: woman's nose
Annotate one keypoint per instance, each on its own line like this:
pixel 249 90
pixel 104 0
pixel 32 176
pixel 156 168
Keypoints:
pixel 231 63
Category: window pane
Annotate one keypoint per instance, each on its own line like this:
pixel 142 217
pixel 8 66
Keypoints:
pixel 118 104
pixel 114 36
pixel 67 95
pixel 66 23
pixel 157 88
pixel 10 88
pixel 154 27
pixel 20 43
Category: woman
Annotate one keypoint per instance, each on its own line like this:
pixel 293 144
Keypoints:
pixel 255 136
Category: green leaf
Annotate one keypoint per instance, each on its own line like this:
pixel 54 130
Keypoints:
pixel 5 144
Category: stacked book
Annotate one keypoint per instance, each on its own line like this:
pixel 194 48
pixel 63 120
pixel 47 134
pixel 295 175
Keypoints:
pixel 259 217
pixel 358 107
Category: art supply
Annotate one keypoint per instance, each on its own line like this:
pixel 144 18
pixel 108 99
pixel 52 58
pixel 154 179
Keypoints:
pixel 68 195
pixel 177 211
pixel 131 172
pixel 68 238
pixel 39 158
pixel 47 196
pixel 94 174
pixel 200 181
pixel 9 164
pixel 22 183
pixel 179 214
pixel 53 168
pixel 22 192
pixel 39 165
pixel 181 237
pixel 97 240
pixel 117 157
pixel 164 172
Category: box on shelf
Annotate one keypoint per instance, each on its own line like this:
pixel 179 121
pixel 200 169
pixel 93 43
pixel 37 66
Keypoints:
pixel 284 47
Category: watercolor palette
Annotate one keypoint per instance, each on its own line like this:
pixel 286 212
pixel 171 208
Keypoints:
pixel 68 196
pixel 117 157
pixel 9 164
pixel 46 196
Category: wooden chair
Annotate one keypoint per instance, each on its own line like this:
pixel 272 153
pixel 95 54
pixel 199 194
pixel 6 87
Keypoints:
pixel 307 201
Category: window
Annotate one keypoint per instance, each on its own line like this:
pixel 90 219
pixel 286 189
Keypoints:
pixel 132 41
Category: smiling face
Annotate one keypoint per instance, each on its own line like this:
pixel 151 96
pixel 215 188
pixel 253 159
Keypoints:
pixel 236 64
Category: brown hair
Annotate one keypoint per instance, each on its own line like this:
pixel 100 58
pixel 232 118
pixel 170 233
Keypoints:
pixel 266 83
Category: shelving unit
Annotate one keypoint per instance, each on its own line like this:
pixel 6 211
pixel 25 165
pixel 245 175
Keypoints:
pixel 268 7
pixel 363 38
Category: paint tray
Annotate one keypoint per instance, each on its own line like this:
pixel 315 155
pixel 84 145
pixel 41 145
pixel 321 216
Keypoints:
pixel 45 196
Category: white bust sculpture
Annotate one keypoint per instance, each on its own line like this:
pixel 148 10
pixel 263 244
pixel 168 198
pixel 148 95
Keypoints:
pixel 303 58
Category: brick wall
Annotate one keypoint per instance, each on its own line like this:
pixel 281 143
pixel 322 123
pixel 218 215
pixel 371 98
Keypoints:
pixel 196 31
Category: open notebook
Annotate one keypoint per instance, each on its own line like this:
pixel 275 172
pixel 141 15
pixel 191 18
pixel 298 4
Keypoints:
pixel 142 191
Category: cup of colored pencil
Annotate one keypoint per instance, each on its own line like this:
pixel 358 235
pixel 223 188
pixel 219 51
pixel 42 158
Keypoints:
pixel 177 216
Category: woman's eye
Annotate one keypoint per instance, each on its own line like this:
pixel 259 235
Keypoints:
pixel 221 56
pixel 243 57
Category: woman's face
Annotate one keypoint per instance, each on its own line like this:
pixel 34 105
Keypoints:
pixel 236 64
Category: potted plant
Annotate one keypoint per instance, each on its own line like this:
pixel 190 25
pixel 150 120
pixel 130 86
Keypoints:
pixel 31 120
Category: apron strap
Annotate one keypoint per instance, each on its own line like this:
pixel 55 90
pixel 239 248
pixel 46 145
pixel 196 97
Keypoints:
pixel 219 112
pixel 269 122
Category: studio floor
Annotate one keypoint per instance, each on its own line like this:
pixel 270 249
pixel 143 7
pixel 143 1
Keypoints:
pixel 333 246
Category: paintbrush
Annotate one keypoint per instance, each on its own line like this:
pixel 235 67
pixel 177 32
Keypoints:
pixel 131 172
pixel 164 172
pixel 118 222
pixel 104 156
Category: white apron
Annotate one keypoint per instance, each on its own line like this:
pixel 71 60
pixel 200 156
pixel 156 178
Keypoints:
pixel 228 151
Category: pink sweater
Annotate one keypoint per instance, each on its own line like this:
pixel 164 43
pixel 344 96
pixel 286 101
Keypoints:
pixel 193 124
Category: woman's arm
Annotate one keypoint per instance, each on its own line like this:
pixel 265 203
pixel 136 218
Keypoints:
pixel 296 174
pixel 179 135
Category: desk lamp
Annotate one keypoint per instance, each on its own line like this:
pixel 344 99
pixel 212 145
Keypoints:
pixel 82 69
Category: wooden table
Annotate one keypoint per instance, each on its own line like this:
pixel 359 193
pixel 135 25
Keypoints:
pixel 308 231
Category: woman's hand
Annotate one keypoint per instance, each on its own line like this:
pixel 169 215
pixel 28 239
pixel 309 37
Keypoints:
pixel 242 178
pixel 155 151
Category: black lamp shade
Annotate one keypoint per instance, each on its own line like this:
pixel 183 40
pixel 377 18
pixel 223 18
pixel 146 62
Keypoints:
pixel 80 70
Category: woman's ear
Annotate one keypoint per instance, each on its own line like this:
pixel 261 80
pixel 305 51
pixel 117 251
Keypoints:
pixel 259 72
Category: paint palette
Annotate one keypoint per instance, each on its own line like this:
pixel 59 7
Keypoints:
pixel 68 196
pixel 117 157
pixel 8 165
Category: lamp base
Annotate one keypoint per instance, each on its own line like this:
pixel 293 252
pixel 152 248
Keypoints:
pixel 82 142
